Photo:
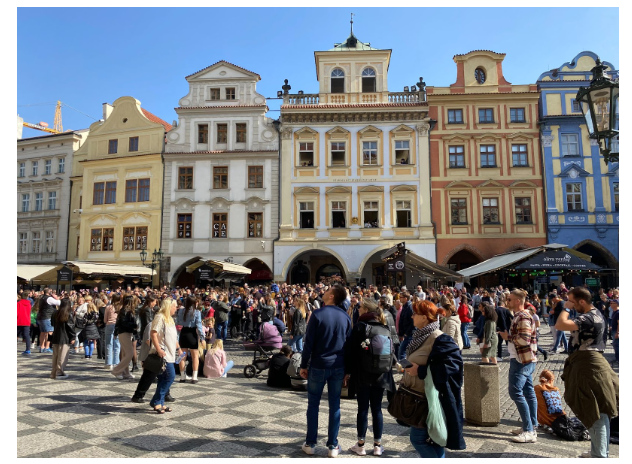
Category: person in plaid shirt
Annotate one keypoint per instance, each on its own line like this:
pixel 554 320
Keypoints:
pixel 523 345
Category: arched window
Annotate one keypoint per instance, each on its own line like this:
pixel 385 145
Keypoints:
pixel 368 80
pixel 337 81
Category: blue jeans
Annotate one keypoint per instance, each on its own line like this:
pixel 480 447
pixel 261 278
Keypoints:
pixel 229 366
pixel 522 393
pixel 402 347
pixel 373 396
pixel 418 439
pixel 296 343
pixel 464 336
pixel 87 347
pixel 600 437
pixel 316 381
pixel 560 336
pixel 615 345
pixel 165 379
pixel 221 330
pixel 112 346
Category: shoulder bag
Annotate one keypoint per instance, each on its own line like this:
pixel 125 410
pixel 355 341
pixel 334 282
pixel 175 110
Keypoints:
pixel 409 407
pixel 153 362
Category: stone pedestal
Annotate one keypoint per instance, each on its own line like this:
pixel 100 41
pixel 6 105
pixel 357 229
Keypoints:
pixel 482 396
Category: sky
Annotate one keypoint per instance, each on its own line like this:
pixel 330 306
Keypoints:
pixel 87 56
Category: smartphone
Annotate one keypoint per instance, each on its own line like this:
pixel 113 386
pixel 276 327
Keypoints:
pixel 405 363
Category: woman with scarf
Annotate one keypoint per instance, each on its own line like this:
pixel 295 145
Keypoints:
pixel 432 349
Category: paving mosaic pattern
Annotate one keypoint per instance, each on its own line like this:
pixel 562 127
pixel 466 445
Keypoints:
pixel 90 415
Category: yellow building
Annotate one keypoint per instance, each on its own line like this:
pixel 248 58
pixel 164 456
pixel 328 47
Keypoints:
pixel 116 193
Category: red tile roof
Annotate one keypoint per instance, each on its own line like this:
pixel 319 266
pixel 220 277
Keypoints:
pixel 223 61
pixel 154 118
pixel 217 151
pixel 357 105
pixel 491 51
pixel 476 93
pixel 219 107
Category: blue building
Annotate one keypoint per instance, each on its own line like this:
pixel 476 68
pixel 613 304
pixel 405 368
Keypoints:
pixel 582 192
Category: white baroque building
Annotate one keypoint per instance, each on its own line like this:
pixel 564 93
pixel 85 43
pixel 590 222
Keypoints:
pixel 221 176
pixel 43 201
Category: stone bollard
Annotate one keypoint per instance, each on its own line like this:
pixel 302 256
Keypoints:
pixel 482 394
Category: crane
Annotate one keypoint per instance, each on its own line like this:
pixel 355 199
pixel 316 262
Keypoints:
pixel 57 126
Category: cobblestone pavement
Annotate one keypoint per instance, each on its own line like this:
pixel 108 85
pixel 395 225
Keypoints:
pixel 90 415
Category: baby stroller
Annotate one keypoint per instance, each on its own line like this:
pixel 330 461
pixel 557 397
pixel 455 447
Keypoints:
pixel 269 340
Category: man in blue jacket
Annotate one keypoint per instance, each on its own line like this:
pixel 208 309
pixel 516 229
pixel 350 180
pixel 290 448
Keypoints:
pixel 406 326
pixel 327 334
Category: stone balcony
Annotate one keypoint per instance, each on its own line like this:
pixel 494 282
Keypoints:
pixel 392 98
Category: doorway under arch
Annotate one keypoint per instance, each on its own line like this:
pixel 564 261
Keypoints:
pixel 311 265
pixel 261 273
pixel 462 259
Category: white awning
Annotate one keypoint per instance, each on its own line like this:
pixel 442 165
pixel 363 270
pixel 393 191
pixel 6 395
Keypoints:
pixel 498 262
pixel 219 267
pixel 33 271
pixel 86 267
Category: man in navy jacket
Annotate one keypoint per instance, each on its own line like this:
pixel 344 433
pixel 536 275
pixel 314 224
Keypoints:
pixel 406 326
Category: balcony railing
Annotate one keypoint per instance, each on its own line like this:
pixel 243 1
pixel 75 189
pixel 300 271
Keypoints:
pixel 314 98
pixel 404 97
pixel 304 99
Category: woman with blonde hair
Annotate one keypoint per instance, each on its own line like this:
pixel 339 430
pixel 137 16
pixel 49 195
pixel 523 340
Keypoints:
pixel 299 326
pixel 90 331
pixel 112 345
pixel 215 364
pixel 451 323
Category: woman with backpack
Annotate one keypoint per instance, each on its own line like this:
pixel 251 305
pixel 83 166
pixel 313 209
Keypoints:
pixel 466 313
pixel 369 360
pixel 299 326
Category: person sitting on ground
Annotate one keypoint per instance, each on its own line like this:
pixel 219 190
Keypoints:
pixel 549 399
pixel 278 376
pixel 215 364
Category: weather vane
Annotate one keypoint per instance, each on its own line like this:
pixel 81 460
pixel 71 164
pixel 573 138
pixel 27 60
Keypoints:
pixel 352 23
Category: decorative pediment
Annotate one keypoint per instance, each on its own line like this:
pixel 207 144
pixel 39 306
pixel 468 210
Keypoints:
pixel 403 188
pixel 522 183
pixel 338 190
pixel 184 204
pixel 255 202
pixel 103 220
pixel 371 188
pixel 613 170
pixel 220 202
pixel 402 129
pixel 306 132
pixel 369 130
pixel 488 135
pixel 136 218
pixel 520 136
pixel 459 184
pixel 574 171
pixel 222 70
pixel 338 132
pixel 306 190
pixel 456 137
pixel 490 184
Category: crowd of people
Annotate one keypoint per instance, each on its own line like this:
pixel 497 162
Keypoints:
pixel 350 338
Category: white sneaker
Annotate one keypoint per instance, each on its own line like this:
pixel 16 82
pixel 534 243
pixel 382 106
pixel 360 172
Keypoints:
pixel 525 437
pixel 359 450
pixel 129 377
pixel 308 449
pixel 517 431
pixel 118 376
pixel 65 376
pixel 378 450
pixel 333 452
pixel 585 454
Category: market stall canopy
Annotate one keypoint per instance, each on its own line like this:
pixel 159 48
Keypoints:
pixel 424 266
pixel 34 271
pixel 86 267
pixel 555 259
pixel 222 268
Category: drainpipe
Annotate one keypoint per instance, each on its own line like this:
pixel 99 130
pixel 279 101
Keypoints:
pixel 277 125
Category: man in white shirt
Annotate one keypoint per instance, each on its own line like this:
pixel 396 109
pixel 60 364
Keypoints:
pixel 420 293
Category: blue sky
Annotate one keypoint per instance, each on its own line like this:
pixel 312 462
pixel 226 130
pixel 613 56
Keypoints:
pixel 87 56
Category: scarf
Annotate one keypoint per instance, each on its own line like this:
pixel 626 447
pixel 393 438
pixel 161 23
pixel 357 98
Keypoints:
pixel 420 336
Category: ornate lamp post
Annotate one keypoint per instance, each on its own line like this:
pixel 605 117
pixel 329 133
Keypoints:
pixel 156 261
pixel 600 105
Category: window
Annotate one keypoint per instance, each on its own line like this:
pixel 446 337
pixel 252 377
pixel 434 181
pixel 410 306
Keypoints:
pixel 306 209
pixel 48 167
pixel 112 147
pixel 185 225
pixel 457 156
pixel 131 186
pixel 574 197
pixel 371 214
pixel 230 93
pixel 220 225
pixel 143 189
pixel 98 193
pixel 337 81
pixel 222 133
pixel 26 198
pixel 402 208
pixel 255 176
pixel 50 242
pixel 519 155
pixel 576 107
pixel 110 192
pixel 220 177
pixel 215 94
pixel 338 214
pixel 488 156
pixel 34 167
pixel 185 178
pixel 39 201
pixel 337 153
pixel 490 211
pixel 570 144
pixel 61 165
pixel 369 153
pixel 22 171
pixel 485 115
pixel 35 241
pixel 402 152
pixel 615 190
pixel 523 210
pixel 368 80
pixel 516 115
pixel 255 225
pixel 458 208
pixel 306 154
pixel 134 238
pixel 455 116
pixel 52 200
pixel 241 133
pixel 23 244
pixel 203 133
pixel 133 144
pixel 101 239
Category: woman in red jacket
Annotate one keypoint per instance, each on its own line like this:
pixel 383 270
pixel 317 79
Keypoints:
pixel 24 321
pixel 464 315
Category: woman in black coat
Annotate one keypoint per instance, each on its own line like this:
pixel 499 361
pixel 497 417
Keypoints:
pixel 63 337
pixel 90 330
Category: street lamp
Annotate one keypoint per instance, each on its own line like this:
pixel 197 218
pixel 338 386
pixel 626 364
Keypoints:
pixel 156 260
pixel 600 105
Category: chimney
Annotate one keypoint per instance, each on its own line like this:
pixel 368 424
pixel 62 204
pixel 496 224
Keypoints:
pixel 107 110
pixel 20 126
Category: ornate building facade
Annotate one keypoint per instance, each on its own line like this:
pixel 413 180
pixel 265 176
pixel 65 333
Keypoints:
pixel 486 167
pixel 221 175
pixel 582 192
pixel 354 170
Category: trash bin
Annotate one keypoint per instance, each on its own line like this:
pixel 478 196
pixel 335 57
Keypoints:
pixel 482 394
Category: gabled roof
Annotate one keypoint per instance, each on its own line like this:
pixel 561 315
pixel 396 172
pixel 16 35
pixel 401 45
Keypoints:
pixel 154 118
pixel 227 63
pixel 581 172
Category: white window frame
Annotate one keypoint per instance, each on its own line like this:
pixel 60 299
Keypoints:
pixel 61 165
pixel 371 152
pixel 339 205
pixel 306 207
pixel 48 167
pixel 50 241
pixel 34 168
pixel 39 201
pixel 399 147
pixel 337 150
pixel 371 205
pixel 26 202
pixel 22 170
pixel 23 242
pixel 580 193
pixel 401 205
pixel 36 242
pixel 302 150
pixel 52 200
pixel 566 144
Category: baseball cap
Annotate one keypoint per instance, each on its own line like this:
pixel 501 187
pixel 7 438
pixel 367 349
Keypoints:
pixel 614 301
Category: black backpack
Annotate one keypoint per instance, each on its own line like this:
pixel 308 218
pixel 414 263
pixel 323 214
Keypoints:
pixel 377 350
pixel 570 429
